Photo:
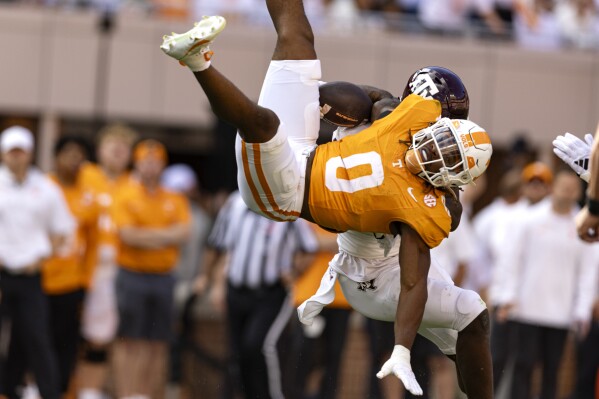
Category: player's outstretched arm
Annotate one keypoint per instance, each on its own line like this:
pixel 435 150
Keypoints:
pixel 375 93
pixel 414 258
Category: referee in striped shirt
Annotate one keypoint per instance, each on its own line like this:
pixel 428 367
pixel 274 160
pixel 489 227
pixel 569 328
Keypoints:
pixel 262 254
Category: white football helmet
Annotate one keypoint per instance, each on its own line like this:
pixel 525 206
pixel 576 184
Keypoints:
pixel 452 152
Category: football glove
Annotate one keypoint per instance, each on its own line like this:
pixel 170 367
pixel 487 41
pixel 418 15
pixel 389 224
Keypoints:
pixel 575 152
pixel 399 365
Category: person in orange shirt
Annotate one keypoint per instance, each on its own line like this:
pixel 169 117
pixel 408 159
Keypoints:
pixel 152 224
pixel 66 275
pixel 322 343
pixel 99 320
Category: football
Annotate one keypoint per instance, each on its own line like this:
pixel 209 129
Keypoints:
pixel 344 104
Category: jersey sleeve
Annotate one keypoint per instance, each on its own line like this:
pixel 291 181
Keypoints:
pixel 415 112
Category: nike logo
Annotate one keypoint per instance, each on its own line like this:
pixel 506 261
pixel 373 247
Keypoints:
pixel 410 189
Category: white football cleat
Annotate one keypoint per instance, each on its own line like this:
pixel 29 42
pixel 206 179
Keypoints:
pixel 193 45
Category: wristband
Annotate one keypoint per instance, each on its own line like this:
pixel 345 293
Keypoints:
pixel 593 206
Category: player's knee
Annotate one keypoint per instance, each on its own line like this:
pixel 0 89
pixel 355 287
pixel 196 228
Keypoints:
pixel 480 326
pixel 95 356
pixel 263 127
pixel 471 307
pixel 296 36
pixel 295 44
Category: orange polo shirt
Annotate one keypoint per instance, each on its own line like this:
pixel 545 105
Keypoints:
pixel 309 281
pixel 71 268
pixel 137 207
pixel 105 189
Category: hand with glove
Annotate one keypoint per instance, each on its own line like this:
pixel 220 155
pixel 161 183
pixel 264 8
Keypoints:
pixel 575 153
pixel 399 365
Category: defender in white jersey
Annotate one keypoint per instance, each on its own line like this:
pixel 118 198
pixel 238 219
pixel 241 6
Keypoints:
pixel 369 274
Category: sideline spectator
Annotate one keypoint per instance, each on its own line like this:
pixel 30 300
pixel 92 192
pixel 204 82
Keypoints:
pixel 578 22
pixel 152 223
pixel 35 222
pixel 66 275
pixel 181 178
pixel 99 319
pixel 536 179
pixel 450 17
pixel 535 25
pixel 262 254
pixel 550 284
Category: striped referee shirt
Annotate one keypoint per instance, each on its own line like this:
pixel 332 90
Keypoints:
pixel 260 249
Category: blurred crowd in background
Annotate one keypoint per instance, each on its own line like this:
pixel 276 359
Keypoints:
pixel 140 274
pixel 126 303
pixel 539 24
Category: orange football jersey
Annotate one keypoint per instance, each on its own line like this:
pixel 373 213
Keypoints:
pixel 361 182
pixel 73 266
pixel 105 189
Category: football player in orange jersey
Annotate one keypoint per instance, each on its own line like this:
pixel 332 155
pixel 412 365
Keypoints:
pixel 456 320
pixel 99 315
pixel 391 178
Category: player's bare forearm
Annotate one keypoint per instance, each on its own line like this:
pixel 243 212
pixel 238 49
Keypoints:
pixel 375 93
pixel 383 107
pixel 414 260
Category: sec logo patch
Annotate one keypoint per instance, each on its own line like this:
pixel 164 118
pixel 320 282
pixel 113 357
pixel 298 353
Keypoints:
pixel 430 200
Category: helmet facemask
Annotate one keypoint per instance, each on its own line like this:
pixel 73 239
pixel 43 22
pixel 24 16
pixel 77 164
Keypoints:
pixel 440 155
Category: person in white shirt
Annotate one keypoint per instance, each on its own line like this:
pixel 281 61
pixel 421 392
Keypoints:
pixel 536 25
pixel 35 222
pixel 489 227
pixel 578 22
pixel 518 190
pixel 550 284
pixel 451 16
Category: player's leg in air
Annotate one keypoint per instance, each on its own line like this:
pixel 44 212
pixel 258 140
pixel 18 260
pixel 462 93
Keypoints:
pixel 192 49
pixel 295 41
pixel 275 135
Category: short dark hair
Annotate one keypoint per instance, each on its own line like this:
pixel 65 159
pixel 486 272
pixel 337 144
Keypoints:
pixel 63 141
